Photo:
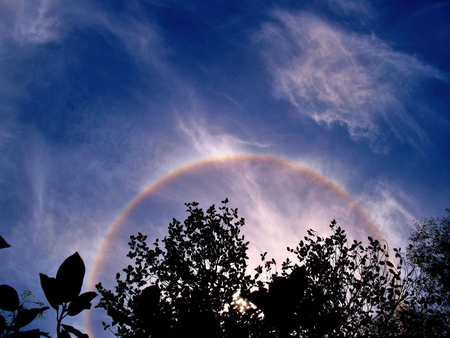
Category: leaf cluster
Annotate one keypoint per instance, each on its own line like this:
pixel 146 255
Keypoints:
pixel 341 289
pixel 430 251
pixel 185 284
pixel 194 283
pixel 62 293
pixel 15 315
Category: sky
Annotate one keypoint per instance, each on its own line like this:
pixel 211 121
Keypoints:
pixel 113 114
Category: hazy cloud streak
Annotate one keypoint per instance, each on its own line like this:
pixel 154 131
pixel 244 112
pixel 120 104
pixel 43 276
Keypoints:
pixel 339 77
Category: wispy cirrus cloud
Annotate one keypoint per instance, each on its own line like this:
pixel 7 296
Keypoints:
pixel 339 77
pixel 211 140
pixel 30 22
pixel 390 208
pixel 355 8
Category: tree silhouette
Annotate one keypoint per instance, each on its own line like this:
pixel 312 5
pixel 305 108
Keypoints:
pixel 341 289
pixel 185 286
pixel 188 285
pixel 430 252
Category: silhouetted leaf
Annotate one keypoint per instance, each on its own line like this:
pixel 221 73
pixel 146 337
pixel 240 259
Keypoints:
pixel 3 243
pixel 64 334
pixel 147 302
pixel 2 323
pixel 9 299
pixel 259 298
pixel 50 288
pixel 26 316
pixel 82 302
pixel 35 333
pixel 73 330
pixel 70 277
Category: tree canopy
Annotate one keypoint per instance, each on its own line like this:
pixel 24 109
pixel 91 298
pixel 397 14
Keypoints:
pixel 195 282
pixel 430 251
pixel 186 285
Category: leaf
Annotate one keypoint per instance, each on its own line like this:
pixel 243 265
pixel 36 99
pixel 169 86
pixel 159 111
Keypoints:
pixel 51 290
pixel 73 330
pixel 64 334
pixel 2 323
pixel 82 302
pixel 147 302
pixel 9 299
pixel 259 298
pixel 26 316
pixel 3 243
pixel 70 277
pixel 35 333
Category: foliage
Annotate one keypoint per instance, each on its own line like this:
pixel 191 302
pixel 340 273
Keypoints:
pixel 430 250
pixel 27 299
pixel 333 288
pixel 337 289
pixel 14 314
pixel 62 292
pixel 184 287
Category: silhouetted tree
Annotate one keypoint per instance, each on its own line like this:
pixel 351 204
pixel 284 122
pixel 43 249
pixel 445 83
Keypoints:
pixel 333 288
pixel 341 289
pixel 185 286
pixel 430 251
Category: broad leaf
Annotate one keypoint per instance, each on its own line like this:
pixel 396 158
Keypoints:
pixel 147 302
pixel 2 323
pixel 3 243
pixel 82 302
pixel 50 288
pixel 63 334
pixel 26 316
pixel 9 299
pixel 35 333
pixel 73 330
pixel 70 277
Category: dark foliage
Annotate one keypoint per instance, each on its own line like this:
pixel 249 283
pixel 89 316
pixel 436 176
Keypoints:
pixel 340 289
pixel 63 294
pixel 333 288
pixel 185 286
pixel 430 250
pixel 15 315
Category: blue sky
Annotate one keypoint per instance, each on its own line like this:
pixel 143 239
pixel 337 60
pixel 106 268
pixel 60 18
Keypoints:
pixel 98 100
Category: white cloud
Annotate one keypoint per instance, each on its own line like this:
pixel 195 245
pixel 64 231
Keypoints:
pixel 43 21
pixel 210 137
pixel 338 77
pixel 208 140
